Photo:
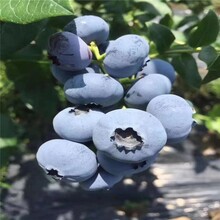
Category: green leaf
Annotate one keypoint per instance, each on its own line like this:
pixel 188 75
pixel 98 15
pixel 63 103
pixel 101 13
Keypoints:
pixel 30 52
pixel 7 126
pixel 206 32
pixel 35 87
pixel 214 88
pixel 8 139
pixel 211 119
pixel 161 36
pixel 145 8
pixel 190 20
pixel 213 71
pixel 215 111
pixel 27 11
pixel 167 20
pixel 8 142
pixel 158 5
pixel 187 68
pixel 7 150
pixel 17 36
pixel 208 55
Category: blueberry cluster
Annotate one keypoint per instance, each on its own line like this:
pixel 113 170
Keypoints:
pixel 127 140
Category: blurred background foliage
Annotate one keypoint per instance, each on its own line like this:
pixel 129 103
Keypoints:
pixel 184 32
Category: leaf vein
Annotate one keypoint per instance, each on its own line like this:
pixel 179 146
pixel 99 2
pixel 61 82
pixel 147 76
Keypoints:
pixel 59 5
pixel 14 10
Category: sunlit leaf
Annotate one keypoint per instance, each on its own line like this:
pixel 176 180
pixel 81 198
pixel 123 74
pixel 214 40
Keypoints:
pixel 27 11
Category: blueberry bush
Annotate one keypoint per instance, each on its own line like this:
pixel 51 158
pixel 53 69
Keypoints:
pixel 111 78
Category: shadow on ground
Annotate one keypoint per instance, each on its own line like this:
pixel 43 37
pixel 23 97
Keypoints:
pixel 182 182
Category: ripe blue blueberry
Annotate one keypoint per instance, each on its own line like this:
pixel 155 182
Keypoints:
pixel 125 55
pixel 174 113
pixel 93 88
pixel 100 180
pixel 69 51
pixel 145 89
pixel 89 28
pixel 76 123
pixel 67 160
pixel 129 135
pixel 63 75
pixel 146 61
pixel 119 168
pixel 159 66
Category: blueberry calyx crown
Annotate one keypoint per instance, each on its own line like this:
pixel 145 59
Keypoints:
pixel 54 174
pixel 83 109
pixel 54 59
pixel 127 140
pixel 141 164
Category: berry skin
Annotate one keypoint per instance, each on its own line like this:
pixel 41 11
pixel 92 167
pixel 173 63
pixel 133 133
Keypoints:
pixel 101 180
pixel 125 56
pixel 66 160
pixel 159 66
pixel 89 28
pixel 174 113
pixel 129 135
pixel 68 51
pixel 76 124
pixel 145 89
pixel 93 88
pixel 146 61
pixel 63 75
pixel 119 168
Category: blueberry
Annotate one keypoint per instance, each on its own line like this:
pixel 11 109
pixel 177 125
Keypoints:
pixel 93 88
pixel 122 168
pixel 125 56
pixel 66 160
pixel 159 66
pixel 63 75
pixel 145 89
pixel 89 28
pixel 174 113
pixel 129 135
pixel 101 180
pixel 76 123
pixel 68 51
pixel 146 61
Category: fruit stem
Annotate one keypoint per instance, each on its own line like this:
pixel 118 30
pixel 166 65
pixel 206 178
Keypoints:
pixel 101 66
pixel 95 50
pixel 174 51
pixel 126 81
pixel 183 50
